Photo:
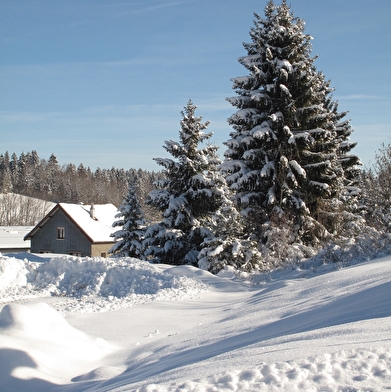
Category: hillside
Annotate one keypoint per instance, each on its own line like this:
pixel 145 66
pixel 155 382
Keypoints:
pixel 20 210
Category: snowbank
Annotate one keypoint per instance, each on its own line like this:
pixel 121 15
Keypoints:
pixel 92 284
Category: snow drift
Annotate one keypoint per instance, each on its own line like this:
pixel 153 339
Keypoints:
pixel 79 324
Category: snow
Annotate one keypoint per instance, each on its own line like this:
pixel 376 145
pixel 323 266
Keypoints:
pixel 99 229
pixel 297 168
pixel 320 185
pixel 11 237
pixel 285 64
pixel 285 90
pixel 94 324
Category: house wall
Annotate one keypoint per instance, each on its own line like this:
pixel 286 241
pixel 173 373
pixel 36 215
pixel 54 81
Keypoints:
pixel 101 249
pixel 45 240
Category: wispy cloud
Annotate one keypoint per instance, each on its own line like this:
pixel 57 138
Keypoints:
pixel 102 117
pixel 145 6
pixel 360 97
pixel 96 66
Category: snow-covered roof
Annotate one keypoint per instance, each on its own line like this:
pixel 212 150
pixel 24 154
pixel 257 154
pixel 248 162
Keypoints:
pixel 98 229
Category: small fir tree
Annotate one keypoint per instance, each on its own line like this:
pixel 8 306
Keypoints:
pixel 186 196
pixel 131 223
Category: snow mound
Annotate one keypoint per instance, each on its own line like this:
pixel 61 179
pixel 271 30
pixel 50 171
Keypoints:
pixel 100 373
pixel 92 284
pixel 39 321
pixel 45 331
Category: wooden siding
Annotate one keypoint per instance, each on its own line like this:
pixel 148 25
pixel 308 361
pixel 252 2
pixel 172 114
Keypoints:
pixel 45 239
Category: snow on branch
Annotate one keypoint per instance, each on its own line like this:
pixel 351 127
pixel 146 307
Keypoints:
pixel 320 185
pixel 301 136
pixel 263 131
pixel 260 96
pixel 241 81
pixel 285 91
pixel 284 64
pixel 297 168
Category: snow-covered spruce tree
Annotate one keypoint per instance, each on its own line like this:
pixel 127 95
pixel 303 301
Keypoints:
pixel 186 196
pixel 130 235
pixel 226 245
pixel 286 156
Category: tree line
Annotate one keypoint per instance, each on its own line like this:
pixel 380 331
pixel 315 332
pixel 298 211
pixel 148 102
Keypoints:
pixel 30 175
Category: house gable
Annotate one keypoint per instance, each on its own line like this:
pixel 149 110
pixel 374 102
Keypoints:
pixel 47 239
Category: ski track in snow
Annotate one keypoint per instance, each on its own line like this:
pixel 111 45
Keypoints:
pixel 79 324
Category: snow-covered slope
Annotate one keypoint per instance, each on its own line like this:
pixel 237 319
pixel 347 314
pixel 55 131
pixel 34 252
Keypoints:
pixel 75 324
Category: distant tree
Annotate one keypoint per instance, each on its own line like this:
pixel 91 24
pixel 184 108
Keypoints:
pixel 376 186
pixel 186 196
pixel 52 177
pixel 131 227
pixel 32 173
pixel 22 173
pixel 287 157
pixel 6 186
pixel 14 171
pixel 5 174
pixel 146 180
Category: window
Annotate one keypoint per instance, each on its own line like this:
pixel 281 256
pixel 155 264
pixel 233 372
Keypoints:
pixel 60 233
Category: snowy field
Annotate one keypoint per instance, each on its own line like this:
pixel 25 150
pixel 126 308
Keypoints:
pixel 91 324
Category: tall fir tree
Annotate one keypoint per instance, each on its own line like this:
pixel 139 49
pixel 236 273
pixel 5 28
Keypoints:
pixel 187 195
pixel 287 156
pixel 131 223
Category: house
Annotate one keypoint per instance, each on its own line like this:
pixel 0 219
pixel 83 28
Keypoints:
pixel 75 229
pixel 11 239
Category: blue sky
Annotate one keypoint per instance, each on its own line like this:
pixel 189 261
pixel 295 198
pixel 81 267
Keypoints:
pixel 103 82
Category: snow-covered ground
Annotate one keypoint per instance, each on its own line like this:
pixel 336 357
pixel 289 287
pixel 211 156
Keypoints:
pixel 91 324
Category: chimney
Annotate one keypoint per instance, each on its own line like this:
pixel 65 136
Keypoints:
pixel 92 212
